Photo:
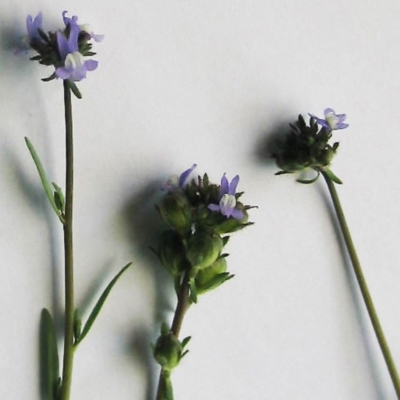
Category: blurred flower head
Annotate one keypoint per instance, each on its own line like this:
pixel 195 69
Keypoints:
pixel 66 49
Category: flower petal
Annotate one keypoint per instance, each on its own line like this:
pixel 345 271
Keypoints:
pixel 214 207
pixel 224 188
pixel 233 185
pixel 62 45
pixel 237 214
pixel 91 65
pixel 63 73
pixel 185 175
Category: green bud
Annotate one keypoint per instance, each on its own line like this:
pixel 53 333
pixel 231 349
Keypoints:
pixel 206 277
pixel 175 210
pixel 168 351
pixel 289 163
pixel 172 252
pixel 203 249
pixel 326 156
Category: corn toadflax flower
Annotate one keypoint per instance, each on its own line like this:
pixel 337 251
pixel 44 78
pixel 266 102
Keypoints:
pixel 75 66
pixel 176 182
pixel 227 199
pixel 332 120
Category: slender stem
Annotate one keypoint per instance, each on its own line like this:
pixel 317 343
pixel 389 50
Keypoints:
pixel 363 285
pixel 180 311
pixel 68 251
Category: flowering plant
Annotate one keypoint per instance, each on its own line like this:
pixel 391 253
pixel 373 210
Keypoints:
pixel 308 147
pixel 65 50
pixel 198 216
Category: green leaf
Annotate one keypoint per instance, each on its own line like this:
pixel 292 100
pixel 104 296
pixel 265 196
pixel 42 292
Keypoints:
pixel 45 182
pixel 99 305
pixel 49 362
pixel 77 325
pixel 59 198
pixel 50 78
pixel 74 89
pixel 281 173
pixel 309 181
pixel 193 291
pixel 185 341
pixel 218 280
pixel 332 176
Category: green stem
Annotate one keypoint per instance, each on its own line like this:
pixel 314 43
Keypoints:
pixel 363 285
pixel 164 390
pixel 68 251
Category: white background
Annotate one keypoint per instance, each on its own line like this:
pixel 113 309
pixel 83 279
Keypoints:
pixel 207 82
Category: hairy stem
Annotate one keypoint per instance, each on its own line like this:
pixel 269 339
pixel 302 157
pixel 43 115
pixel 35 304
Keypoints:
pixel 363 285
pixel 68 251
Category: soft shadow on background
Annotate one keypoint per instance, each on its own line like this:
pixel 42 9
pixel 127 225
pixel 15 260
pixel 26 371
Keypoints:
pixel 363 320
pixel 143 229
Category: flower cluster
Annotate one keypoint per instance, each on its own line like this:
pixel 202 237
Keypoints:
pixel 198 214
pixel 65 49
pixel 307 146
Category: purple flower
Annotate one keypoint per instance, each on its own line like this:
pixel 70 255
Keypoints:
pixel 176 182
pixel 332 120
pixel 227 199
pixel 84 28
pixel 33 25
pixel 75 66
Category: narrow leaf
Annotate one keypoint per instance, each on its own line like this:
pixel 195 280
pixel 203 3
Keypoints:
pixel 218 280
pixel 59 194
pixel 185 341
pixel 309 181
pixel 193 291
pixel 77 325
pixel 99 305
pixel 49 362
pixel 74 89
pixel 332 176
pixel 45 182
pixel 281 173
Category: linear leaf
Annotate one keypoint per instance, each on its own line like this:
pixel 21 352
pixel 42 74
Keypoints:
pixel 48 189
pixel 99 305
pixel 49 356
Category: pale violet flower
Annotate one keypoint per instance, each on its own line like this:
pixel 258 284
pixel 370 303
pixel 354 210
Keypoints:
pixel 33 25
pixel 176 182
pixel 332 120
pixel 75 66
pixel 227 199
pixel 84 28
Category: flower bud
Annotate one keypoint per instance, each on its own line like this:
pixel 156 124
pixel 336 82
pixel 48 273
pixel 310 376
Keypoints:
pixel 175 210
pixel 203 249
pixel 172 252
pixel 168 351
pixel 289 163
pixel 326 156
pixel 206 277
